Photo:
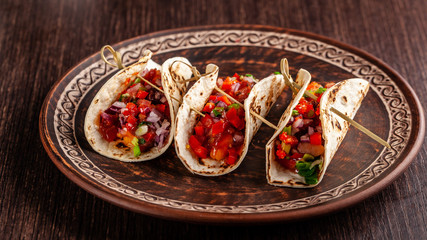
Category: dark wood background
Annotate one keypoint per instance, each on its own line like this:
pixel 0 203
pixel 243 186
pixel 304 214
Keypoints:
pixel 41 40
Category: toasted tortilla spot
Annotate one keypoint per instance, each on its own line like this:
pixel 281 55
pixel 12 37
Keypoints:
pixel 96 101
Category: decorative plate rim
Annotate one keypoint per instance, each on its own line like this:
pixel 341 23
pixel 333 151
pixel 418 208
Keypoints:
pixel 159 206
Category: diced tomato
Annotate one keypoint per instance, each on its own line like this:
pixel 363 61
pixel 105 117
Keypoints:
pixel 201 152
pixel 225 141
pixel 213 98
pixel 126 111
pixel 316 138
pixel 141 94
pixel 283 136
pixel 288 163
pixel 226 85
pixel 232 156
pixel 313 86
pixel 234 119
pixel 280 154
pixel 161 107
pixel 193 142
pixel 224 99
pixel 207 121
pixel 127 81
pixel 292 140
pixel 130 105
pixel 208 107
pixel 200 130
pixel 149 136
pixel 237 76
pixel 218 127
pixel 109 133
pixel 130 126
pixel 296 156
pixel 143 103
pixel 132 120
pixel 304 106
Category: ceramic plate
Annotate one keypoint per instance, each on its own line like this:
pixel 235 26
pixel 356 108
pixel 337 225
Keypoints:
pixel 163 187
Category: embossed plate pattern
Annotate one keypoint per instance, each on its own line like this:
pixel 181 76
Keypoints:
pixel 163 187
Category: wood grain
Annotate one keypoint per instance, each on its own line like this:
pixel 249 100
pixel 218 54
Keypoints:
pixel 41 40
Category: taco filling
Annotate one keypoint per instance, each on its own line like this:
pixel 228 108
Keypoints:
pixel 220 133
pixel 139 119
pixel 300 147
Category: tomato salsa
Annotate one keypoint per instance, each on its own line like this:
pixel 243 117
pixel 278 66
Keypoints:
pixel 140 117
pixel 220 133
pixel 299 146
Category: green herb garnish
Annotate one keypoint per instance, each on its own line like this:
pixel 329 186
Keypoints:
pixel 321 90
pixel 288 130
pixel 249 75
pixel 295 112
pixel 233 105
pixel 141 141
pixel 137 80
pixel 277 73
pixel 123 96
pixel 217 111
pixel 136 151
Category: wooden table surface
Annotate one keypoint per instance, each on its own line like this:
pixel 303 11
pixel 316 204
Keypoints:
pixel 41 40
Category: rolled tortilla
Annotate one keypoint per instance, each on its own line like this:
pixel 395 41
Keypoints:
pixel 171 75
pixel 346 96
pixel 260 100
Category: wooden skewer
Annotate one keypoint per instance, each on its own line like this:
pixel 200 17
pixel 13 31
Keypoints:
pixel 161 90
pixel 295 88
pixel 251 111
pixel 118 60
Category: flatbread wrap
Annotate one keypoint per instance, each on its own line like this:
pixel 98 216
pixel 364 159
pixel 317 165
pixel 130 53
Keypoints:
pixel 309 134
pixel 131 121
pixel 217 143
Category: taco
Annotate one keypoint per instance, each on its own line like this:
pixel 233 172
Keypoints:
pixel 131 121
pixel 217 143
pixel 309 134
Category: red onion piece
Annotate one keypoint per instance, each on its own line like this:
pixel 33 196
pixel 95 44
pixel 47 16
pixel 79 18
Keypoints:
pixel 154 116
pixel 310 131
pixel 305 138
pixel 219 82
pixel 298 123
pixel 235 87
pixel 163 99
pixel 319 128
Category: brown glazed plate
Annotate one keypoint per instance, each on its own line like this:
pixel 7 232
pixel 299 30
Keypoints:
pixel 164 188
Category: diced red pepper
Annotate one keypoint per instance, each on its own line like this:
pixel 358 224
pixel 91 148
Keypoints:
pixel 161 107
pixel 207 121
pixel 218 127
pixel 193 142
pixel 208 107
pixel 303 106
pixel 316 139
pixel 200 151
pixel 200 130
pixel 141 94
pixel 234 119
pixel 232 156
pixel 224 99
